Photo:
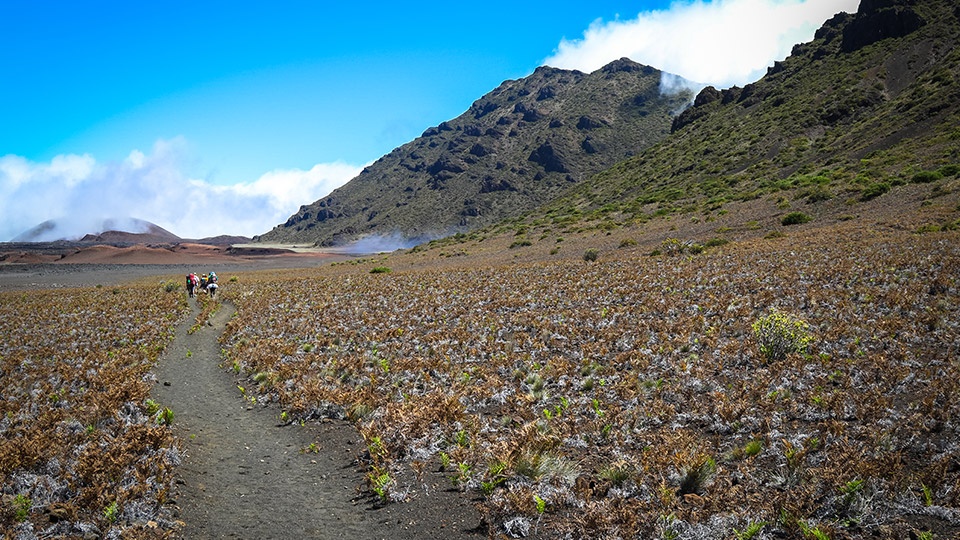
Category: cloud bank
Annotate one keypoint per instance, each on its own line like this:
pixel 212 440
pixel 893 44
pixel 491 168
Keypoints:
pixel 80 193
pixel 722 43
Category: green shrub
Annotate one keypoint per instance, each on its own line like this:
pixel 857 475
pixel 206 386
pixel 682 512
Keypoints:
pixel 949 170
pixel 21 507
pixel 380 483
pixel 521 243
pixel 627 242
pixel 152 407
pixel 795 218
pixel 716 242
pixel 752 530
pixel 380 270
pixel 111 512
pixel 673 246
pixel 591 255
pixel 818 194
pixel 164 417
pixel 812 532
pixel 779 334
pixel 617 473
pixel 874 190
pixel 697 476
pixel 925 177
pixel 753 448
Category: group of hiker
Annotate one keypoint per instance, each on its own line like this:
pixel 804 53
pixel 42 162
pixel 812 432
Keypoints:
pixel 206 283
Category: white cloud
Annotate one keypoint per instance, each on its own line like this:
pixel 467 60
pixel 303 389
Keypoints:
pixel 723 43
pixel 80 193
pixel 135 159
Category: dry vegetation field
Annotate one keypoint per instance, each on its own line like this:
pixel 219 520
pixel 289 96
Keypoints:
pixel 84 451
pixel 803 386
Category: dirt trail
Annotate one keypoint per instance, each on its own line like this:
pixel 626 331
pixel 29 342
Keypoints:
pixel 245 476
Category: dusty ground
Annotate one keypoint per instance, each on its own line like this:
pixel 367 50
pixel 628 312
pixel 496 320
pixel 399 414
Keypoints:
pixel 25 266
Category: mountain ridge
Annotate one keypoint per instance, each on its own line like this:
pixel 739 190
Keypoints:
pixel 864 107
pixel 515 148
pixel 114 231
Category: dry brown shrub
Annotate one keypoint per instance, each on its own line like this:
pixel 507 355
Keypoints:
pixel 75 433
pixel 651 361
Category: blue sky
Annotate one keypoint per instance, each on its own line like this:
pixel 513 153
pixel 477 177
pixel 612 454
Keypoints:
pixel 256 108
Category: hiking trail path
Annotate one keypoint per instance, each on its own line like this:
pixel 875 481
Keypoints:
pixel 245 475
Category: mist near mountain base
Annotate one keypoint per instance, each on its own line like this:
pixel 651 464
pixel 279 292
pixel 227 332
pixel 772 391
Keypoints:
pixel 385 243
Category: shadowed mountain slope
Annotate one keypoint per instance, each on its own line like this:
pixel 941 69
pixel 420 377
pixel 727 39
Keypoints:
pixel 516 148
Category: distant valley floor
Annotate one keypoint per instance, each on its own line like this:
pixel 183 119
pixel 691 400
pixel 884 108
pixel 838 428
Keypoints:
pixel 55 265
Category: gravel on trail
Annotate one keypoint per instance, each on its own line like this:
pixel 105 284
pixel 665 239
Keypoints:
pixel 247 475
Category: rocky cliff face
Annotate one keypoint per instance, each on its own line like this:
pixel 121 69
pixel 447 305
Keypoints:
pixel 881 19
pixel 515 148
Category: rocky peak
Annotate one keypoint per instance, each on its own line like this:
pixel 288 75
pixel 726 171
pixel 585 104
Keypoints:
pixel 516 147
pixel 880 19
pixel 626 65
pixel 707 95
